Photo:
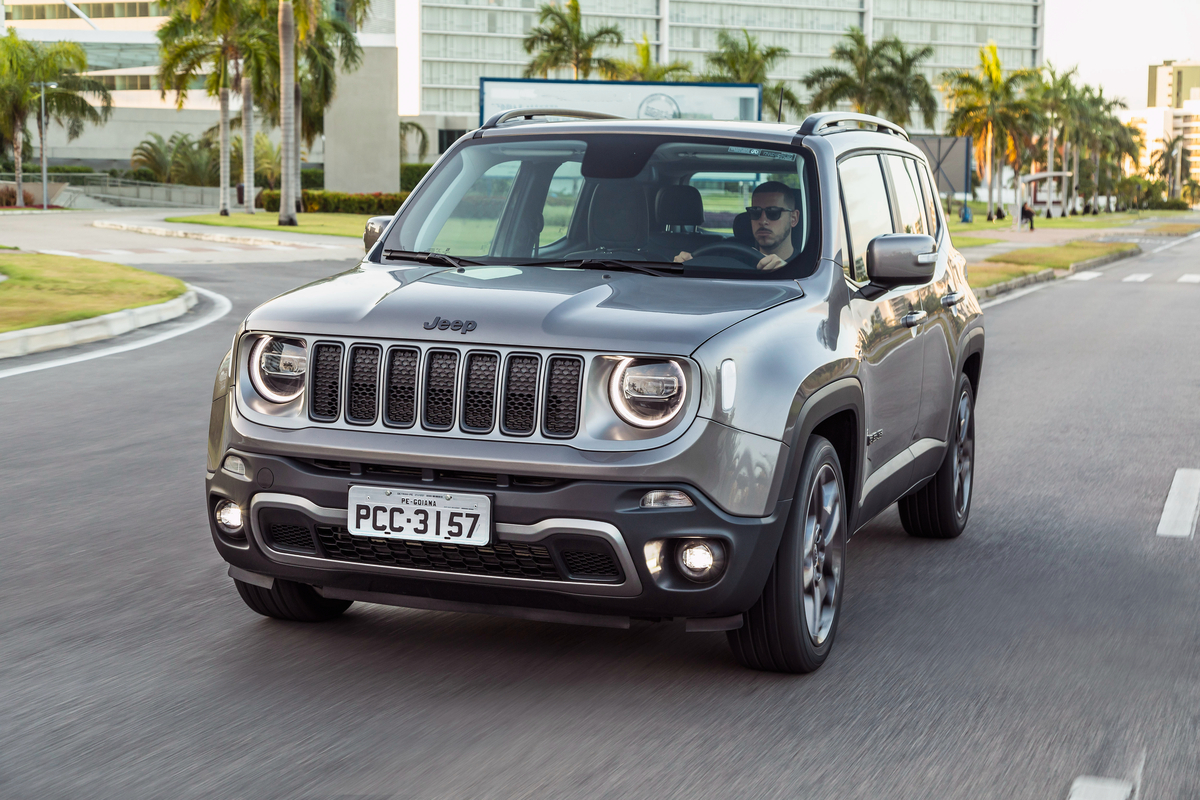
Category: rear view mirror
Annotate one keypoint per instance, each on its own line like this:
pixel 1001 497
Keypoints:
pixel 375 226
pixel 901 259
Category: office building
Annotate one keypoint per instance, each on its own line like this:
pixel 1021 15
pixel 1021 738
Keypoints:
pixel 1172 109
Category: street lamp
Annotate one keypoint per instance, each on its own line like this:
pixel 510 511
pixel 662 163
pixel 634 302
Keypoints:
pixel 45 124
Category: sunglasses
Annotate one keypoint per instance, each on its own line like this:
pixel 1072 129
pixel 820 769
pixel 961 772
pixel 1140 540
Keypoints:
pixel 773 212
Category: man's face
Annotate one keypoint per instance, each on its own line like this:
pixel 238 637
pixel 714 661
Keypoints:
pixel 769 234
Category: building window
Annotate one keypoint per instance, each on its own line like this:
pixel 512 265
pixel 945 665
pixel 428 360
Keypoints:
pixel 94 10
pixel 447 138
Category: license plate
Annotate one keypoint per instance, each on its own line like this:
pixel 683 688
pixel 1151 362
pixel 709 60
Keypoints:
pixel 444 517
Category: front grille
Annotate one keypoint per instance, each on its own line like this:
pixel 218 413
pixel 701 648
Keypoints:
pixel 499 558
pixel 441 374
pixel 520 395
pixel 362 395
pixel 402 386
pixel 326 381
pixel 590 565
pixel 296 537
pixel 562 395
pixel 479 392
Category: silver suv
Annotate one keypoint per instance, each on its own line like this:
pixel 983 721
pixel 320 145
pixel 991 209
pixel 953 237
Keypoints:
pixel 597 370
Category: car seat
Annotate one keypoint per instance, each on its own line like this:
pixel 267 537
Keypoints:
pixel 618 222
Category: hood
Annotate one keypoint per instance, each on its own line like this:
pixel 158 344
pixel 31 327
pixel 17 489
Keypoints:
pixel 545 307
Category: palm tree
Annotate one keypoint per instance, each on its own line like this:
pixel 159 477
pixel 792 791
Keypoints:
pixel 1166 164
pixel 989 105
pixel 227 39
pixel 740 59
pixel 645 68
pixel 560 41
pixel 25 67
pixel 1054 97
pixel 877 78
pixel 1191 190
pixel 156 155
pixel 409 128
pixel 192 162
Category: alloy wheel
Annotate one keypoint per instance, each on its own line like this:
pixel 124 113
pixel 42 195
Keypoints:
pixel 964 452
pixel 824 534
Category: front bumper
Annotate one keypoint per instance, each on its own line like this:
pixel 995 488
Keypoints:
pixel 543 520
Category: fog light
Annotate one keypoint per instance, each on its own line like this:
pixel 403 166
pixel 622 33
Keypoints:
pixel 666 498
pixel 229 517
pixel 700 560
pixel 235 465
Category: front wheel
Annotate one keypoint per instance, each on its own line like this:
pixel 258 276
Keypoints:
pixel 290 601
pixel 791 627
pixel 940 509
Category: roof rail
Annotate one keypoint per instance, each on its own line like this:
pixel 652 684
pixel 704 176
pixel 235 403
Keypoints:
pixel 834 122
pixel 530 113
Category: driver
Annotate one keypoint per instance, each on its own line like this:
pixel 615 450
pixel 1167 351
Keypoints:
pixel 772 214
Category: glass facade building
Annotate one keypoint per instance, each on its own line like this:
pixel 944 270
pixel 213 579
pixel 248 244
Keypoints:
pixel 463 40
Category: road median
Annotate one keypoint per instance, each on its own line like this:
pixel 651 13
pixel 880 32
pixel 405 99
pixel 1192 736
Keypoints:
pixel 1014 270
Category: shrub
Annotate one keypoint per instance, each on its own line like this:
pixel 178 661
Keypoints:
pixel 312 179
pixel 377 204
pixel 8 196
pixel 1174 204
pixel 68 170
pixel 411 174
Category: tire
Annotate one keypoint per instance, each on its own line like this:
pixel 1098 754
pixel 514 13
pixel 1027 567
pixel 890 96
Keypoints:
pixel 940 509
pixel 294 602
pixel 777 633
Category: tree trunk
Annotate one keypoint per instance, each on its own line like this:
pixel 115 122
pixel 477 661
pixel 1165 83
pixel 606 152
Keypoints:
pixel 287 112
pixel 1074 175
pixel 18 144
pixel 1096 180
pixel 42 148
pixel 990 148
pixel 248 144
pixel 296 150
pixel 223 193
pixel 1050 167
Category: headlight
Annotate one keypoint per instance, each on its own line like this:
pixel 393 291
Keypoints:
pixel 278 367
pixel 647 393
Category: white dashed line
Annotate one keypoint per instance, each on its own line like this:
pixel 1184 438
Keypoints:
pixel 1137 277
pixel 171 250
pixel 1086 787
pixel 118 252
pixel 1004 298
pixel 60 253
pixel 275 246
pixel 1178 519
pixel 1189 279
pixel 1173 244
pixel 1085 276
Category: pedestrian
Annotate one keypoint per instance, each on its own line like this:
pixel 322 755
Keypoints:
pixel 1027 215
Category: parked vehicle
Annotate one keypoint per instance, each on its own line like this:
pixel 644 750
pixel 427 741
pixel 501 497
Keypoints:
pixel 597 370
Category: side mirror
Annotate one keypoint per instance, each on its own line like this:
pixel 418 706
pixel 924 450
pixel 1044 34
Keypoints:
pixel 375 226
pixel 901 259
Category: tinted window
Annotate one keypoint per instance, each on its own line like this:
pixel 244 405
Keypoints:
pixel 931 201
pixel 560 202
pixel 908 194
pixel 843 247
pixel 868 213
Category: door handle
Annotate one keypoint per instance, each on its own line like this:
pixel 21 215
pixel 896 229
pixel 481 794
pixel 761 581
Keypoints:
pixel 952 299
pixel 913 318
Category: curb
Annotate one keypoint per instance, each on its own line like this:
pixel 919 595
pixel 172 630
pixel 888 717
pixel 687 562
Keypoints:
pixel 219 238
pixel 1049 274
pixel 52 337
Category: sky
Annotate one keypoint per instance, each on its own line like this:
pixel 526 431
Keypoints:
pixel 1115 41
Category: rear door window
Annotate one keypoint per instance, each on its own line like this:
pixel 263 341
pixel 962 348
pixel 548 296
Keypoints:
pixel 868 212
pixel 908 195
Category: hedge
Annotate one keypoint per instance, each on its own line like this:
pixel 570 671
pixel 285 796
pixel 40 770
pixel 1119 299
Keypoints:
pixel 378 204
pixel 411 174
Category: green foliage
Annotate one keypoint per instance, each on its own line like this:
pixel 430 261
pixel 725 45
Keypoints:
pixel 339 202
pixel 740 59
pixel 645 68
pixel 411 174
pixel 312 179
pixel 559 41
pixel 883 78
pixel 1172 204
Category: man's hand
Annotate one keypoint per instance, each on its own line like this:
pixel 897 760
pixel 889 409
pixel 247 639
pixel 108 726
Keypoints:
pixel 682 257
pixel 770 262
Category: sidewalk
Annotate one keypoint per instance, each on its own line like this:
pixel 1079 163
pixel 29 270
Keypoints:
pixel 156 219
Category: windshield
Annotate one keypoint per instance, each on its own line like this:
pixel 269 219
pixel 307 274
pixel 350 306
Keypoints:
pixel 671 205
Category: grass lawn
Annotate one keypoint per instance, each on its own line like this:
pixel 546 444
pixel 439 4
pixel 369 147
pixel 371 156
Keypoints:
pixel 1175 229
pixel 1114 220
pixel 47 290
pixel 329 224
pixel 1062 256
pixel 981 275
pixel 972 241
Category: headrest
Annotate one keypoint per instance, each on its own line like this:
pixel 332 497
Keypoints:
pixel 679 205
pixel 743 231
pixel 618 216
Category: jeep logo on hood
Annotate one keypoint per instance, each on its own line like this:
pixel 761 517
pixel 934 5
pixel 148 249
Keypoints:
pixel 440 324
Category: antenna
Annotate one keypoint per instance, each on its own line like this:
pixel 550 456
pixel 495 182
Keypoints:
pixel 779 117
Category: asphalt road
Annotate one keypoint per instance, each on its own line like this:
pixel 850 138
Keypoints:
pixel 1057 637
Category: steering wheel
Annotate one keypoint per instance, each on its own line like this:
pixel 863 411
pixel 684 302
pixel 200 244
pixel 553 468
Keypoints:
pixel 735 250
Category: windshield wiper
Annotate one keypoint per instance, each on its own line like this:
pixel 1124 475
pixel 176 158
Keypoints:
pixel 439 259
pixel 662 271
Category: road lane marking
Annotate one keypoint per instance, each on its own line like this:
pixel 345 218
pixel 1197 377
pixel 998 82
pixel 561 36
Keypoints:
pixel 1086 787
pixel 1174 244
pixel 1085 276
pixel 171 250
pixel 223 306
pixel 1137 277
pixel 118 252
pixel 1189 279
pixel 1179 513
pixel 1004 298
pixel 60 253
